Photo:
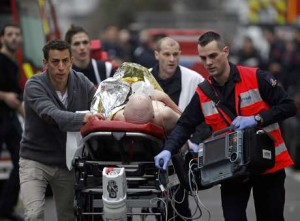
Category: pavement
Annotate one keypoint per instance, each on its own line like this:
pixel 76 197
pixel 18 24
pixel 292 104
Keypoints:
pixel 211 202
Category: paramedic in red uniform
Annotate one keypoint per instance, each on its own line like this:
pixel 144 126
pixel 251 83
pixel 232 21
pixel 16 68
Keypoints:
pixel 256 100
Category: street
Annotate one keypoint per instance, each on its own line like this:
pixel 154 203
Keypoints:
pixel 211 200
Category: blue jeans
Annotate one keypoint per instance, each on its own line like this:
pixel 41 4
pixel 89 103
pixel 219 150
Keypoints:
pixel 34 177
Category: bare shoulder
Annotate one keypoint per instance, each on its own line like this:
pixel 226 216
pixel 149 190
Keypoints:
pixel 119 115
pixel 157 105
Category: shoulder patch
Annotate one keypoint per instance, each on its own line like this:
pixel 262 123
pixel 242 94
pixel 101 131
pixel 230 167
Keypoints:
pixel 271 80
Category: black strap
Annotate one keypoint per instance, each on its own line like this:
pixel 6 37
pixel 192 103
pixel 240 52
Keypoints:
pixel 102 70
pixel 206 88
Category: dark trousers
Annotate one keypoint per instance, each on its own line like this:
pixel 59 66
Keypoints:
pixel 268 195
pixel 10 134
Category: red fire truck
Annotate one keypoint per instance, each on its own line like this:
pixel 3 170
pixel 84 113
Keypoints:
pixel 37 20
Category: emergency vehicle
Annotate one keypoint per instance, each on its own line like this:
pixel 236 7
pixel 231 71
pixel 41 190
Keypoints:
pixel 38 22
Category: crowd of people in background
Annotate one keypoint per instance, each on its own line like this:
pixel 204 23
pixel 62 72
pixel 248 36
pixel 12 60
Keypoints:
pixel 282 59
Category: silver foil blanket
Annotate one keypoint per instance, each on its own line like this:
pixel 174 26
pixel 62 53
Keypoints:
pixel 114 91
pixel 110 94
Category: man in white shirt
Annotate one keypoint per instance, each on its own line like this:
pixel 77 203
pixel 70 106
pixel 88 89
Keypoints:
pixel 180 84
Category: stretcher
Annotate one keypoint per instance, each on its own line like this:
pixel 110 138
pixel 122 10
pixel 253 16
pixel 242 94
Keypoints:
pixel 117 144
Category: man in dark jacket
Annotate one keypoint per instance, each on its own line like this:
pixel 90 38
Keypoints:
pixel 95 70
pixel 256 100
pixel 10 127
pixel 51 100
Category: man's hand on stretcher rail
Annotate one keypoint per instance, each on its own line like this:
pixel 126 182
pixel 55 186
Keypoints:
pixel 163 158
pixel 88 116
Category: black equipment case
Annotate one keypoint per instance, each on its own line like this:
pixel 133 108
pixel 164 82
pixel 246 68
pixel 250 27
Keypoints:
pixel 236 154
pixel 259 151
pixel 228 155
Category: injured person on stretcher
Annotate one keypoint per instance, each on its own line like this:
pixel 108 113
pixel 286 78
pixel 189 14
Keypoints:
pixel 141 109
pixel 133 95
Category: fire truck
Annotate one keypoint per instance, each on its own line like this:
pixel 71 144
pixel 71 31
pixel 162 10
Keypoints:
pixel 38 22
pixel 37 19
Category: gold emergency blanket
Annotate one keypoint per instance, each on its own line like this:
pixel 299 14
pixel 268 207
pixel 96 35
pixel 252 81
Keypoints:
pixel 114 91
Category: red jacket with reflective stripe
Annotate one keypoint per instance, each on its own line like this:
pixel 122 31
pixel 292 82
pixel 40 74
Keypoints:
pixel 247 102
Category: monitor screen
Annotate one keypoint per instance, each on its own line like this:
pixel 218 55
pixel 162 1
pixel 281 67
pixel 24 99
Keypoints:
pixel 214 151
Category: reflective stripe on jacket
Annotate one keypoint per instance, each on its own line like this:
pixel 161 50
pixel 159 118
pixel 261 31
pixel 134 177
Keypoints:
pixel 247 102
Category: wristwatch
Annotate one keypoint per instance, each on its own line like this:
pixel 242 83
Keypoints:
pixel 258 119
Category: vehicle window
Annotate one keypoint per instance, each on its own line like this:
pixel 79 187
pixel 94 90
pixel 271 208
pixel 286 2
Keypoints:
pixel 33 33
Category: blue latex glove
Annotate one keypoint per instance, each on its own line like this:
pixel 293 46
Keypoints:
pixel 243 122
pixel 164 156
pixel 193 147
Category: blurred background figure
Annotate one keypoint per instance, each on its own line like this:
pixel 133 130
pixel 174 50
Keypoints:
pixel 95 70
pixel 143 54
pixel 290 74
pixel 291 128
pixel 273 63
pixel 10 128
pixel 126 43
pixel 296 61
pixel 111 44
pixel 248 55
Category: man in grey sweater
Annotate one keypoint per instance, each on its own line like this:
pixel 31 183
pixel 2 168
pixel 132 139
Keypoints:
pixel 51 100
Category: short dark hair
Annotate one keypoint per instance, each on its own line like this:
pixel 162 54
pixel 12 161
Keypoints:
pixel 210 36
pixel 2 32
pixel 73 30
pixel 56 45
